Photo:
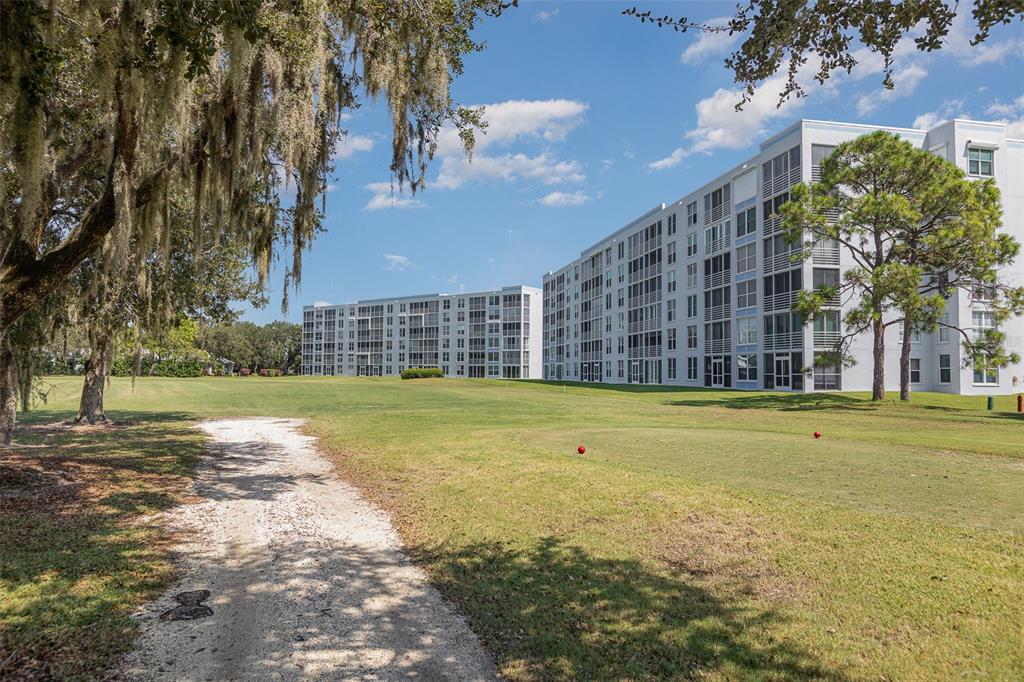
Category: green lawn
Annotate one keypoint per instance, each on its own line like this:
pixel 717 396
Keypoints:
pixel 703 534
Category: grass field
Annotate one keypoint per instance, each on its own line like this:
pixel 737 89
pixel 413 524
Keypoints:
pixel 703 534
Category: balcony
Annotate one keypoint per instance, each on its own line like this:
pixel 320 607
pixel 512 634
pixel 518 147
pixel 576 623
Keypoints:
pixel 783 301
pixel 826 339
pixel 783 261
pixel 781 182
pixel 783 341
pixel 717 245
pixel 717 346
pixel 718 312
pixel 717 279
pixel 644 326
pixel 825 255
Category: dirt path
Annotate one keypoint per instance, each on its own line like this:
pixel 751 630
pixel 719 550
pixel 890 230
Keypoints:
pixel 307 580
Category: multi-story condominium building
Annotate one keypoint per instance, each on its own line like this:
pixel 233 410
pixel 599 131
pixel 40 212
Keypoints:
pixel 700 292
pixel 487 334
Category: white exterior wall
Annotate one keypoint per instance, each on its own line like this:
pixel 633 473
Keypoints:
pixel 631 341
pixel 494 334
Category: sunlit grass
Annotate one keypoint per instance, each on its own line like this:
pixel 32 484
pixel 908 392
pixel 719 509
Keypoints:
pixel 704 533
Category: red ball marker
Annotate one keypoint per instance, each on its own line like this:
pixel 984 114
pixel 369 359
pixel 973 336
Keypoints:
pixel 817 434
pixel 581 449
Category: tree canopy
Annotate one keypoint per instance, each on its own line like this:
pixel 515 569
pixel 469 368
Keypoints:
pixel 917 231
pixel 786 34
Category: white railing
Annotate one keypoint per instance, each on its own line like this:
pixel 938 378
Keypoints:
pixel 825 256
pixel 717 244
pixel 826 339
pixel 781 301
pixel 718 312
pixel 717 345
pixel 717 279
pixel 784 181
pixel 783 261
pixel 783 341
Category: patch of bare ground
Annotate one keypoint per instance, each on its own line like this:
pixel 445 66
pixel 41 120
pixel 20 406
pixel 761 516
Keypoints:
pixel 725 554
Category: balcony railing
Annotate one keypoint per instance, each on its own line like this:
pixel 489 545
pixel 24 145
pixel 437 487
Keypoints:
pixel 717 345
pixel 783 341
pixel 782 301
pixel 783 261
pixel 825 255
pixel 717 279
pixel 718 312
pixel 772 186
pixel 826 339
pixel 717 244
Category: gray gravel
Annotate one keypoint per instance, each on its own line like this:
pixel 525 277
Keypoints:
pixel 307 579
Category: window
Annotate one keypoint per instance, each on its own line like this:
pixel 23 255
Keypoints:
pixel 670 250
pixel 746 258
pixel 670 309
pixel 979 161
pixel 691 244
pixel 691 275
pixel 671 368
pixel 691 336
pixel 746 367
pixel 671 279
pixel 945 369
pixel 691 213
pixel 985 374
pixel 823 277
pixel 746 294
pixel 943 330
pixel 915 370
pixel 746 329
pixel 746 222
pixel 671 224
pixel 671 338
pixel 691 306
pixel 691 369
pixel 982 320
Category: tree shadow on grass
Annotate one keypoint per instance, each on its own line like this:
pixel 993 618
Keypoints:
pixel 783 402
pixel 75 551
pixel 555 612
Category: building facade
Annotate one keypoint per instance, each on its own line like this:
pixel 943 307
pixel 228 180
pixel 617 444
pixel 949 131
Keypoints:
pixel 700 292
pixel 493 334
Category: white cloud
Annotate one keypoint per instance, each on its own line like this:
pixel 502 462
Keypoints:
pixel 1012 114
pixel 351 144
pixel 720 126
pixel 508 123
pixel 387 195
pixel 543 15
pixel 951 108
pixel 458 170
pixel 396 262
pixel 994 49
pixel 455 281
pixel 709 44
pixel 606 164
pixel 906 80
pixel 565 199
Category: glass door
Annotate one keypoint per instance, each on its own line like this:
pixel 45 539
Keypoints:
pixel 718 372
pixel 781 371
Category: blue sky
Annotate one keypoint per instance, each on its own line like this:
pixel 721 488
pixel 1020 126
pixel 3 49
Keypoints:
pixel 594 119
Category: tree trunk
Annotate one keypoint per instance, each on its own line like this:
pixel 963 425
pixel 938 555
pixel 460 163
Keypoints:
pixel 878 372
pixel 905 362
pixel 91 407
pixel 8 394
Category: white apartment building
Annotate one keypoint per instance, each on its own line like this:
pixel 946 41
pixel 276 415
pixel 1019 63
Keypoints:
pixel 700 292
pixel 493 334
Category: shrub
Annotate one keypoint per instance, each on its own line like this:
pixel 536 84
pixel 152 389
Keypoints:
pixel 245 371
pixel 271 372
pixel 422 373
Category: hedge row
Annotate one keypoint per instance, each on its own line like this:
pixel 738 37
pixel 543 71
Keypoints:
pixel 164 368
pixel 422 373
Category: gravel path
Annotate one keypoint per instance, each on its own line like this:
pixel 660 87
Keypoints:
pixel 307 579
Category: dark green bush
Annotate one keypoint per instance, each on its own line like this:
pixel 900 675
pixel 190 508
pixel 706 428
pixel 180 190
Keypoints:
pixel 422 373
